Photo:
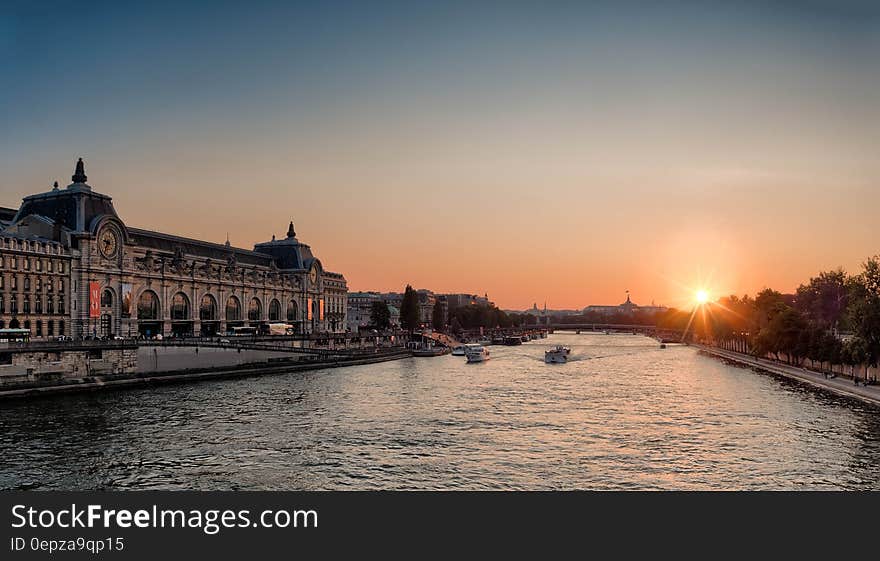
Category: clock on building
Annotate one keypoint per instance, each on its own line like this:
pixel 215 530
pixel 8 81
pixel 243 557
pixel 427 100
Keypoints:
pixel 108 242
pixel 313 275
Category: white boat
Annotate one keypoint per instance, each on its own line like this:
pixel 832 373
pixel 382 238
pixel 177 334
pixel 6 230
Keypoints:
pixel 462 350
pixel 557 355
pixel 485 341
pixel 477 353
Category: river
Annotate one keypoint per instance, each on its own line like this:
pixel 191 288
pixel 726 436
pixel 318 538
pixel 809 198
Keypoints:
pixel 623 414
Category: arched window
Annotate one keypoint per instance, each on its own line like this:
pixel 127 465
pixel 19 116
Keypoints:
pixel 233 309
pixel 274 310
pixel 208 308
pixel 255 310
pixel 148 306
pixel 107 298
pixel 292 311
pixel 179 307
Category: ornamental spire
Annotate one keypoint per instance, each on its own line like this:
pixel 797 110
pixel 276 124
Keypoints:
pixel 290 232
pixel 79 175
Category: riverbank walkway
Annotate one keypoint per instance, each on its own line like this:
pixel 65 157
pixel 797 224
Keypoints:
pixel 839 385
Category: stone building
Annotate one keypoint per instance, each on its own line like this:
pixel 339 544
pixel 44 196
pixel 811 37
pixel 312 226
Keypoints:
pixel 127 281
pixel 34 282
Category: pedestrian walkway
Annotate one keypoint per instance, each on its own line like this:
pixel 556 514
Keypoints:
pixel 842 386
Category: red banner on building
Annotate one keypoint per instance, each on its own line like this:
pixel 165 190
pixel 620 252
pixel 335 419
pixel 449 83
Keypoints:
pixel 321 309
pixel 309 309
pixel 94 300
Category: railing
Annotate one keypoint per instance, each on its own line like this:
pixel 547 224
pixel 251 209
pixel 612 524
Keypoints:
pixel 265 343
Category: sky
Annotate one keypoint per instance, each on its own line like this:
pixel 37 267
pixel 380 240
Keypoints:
pixel 558 152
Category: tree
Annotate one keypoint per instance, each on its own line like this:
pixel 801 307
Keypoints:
pixel 437 319
pixel 380 315
pixel 782 334
pixel 823 300
pixel 864 310
pixel 409 309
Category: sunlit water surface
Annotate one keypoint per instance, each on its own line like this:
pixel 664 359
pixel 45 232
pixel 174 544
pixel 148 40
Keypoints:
pixel 624 414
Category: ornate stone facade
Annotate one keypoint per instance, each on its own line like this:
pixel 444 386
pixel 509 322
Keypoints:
pixel 127 281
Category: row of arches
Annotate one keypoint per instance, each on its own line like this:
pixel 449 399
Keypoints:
pixel 148 308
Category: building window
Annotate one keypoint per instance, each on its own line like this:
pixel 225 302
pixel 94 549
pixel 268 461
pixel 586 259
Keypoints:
pixel 292 309
pixel 2 304
pixel 61 327
pixel 255 310
pixel 27 283
pixel 27 304
pixel 27 324
pixel 39 328
pixel 50 305
pixel 233 309
pixel 148 306
pixel 26 263
pixel 274 310
pixel 60 285
pixel 39 284
pixel 38 304
pixel 179 307
pixel 13 305
pixel 107 298
pixel 61 304
pixel 50 265
pixel 39 264
pixel 14 282
pixel 61 266
pixel 208 308
pixel 50 328
pixel 2 281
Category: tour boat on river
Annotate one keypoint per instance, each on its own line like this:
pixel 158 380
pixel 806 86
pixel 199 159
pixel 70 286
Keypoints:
pixel 559 355
pixel 477 353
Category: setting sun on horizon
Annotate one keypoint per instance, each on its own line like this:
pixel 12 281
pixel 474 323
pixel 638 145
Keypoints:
pixel 563 166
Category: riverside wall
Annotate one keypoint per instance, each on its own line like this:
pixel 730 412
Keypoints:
pixel 28 371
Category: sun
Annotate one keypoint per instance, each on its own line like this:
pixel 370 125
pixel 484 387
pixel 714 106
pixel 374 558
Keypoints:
pixel 702 296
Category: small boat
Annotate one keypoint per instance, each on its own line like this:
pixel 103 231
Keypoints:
pixel 431 351
pixel 458 351
pixel 477 353
pixel 559 355
pixel 524 339
pixel 497 340
pixel 512 340
pixel 466 348
pixel 485 341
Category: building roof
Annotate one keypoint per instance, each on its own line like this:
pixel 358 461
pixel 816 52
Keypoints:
pixel 220 252
pixel 75 207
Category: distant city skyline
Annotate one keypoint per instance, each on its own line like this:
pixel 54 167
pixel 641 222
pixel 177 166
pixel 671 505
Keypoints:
pixel 560 152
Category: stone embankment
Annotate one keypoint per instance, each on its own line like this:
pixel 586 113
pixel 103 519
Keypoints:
pixel 41 369
pixel 839 385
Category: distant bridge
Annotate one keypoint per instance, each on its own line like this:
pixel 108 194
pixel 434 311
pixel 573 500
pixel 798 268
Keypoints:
pixel 665 335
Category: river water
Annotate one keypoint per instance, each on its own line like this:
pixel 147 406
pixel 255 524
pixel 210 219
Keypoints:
pixel 624 414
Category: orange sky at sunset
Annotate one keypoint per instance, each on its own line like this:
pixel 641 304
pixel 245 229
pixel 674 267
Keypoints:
pixel 538 158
